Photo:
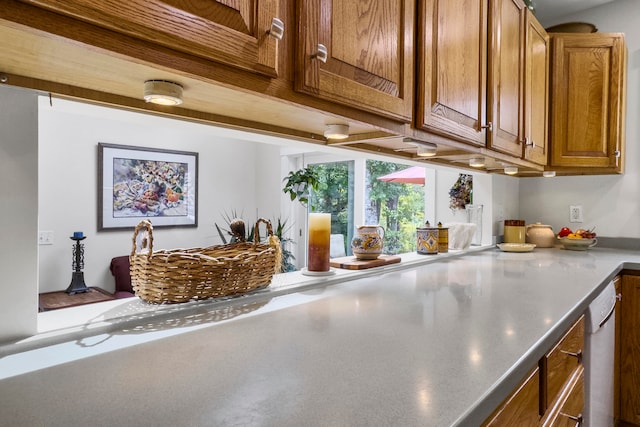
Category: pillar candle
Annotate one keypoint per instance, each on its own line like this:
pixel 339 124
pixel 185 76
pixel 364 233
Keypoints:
pixel 319 238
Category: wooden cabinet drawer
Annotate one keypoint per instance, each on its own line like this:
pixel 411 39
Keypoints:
pixel 562 361
pixel 568 410
pixel 522 408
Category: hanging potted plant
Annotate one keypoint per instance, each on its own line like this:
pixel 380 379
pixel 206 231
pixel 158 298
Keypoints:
pixel 299 183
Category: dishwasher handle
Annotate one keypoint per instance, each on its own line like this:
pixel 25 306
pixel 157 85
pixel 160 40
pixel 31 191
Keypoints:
pixel 606 318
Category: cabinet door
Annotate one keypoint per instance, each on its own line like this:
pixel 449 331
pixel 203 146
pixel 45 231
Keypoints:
pixel 587 100
pixel 233 32
pixel 522 408
pixel 629 350
pixel 368 53
pixel 506 76
pixel 536 92
pixel 562 361
pixel 617 282
pixel 452 69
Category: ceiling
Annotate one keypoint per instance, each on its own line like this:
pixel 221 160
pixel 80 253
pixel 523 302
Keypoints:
pixel 551 11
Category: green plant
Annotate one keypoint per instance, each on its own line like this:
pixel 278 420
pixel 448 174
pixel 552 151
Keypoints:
pixel 279 229
pixel 287 256
pixel 231 218
pixel 299 183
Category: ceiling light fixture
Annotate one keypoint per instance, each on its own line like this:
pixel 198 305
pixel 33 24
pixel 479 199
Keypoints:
pixel 423 149
pixel 162 92
pixel 549 174
pixel 476 162
pixel 336 131
pixel 510 170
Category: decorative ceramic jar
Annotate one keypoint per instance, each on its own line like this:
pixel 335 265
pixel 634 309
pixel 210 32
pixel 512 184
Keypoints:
pixel 428 240
pixel 541 235
pixel 443 238
pixel 514 231
pixel 368 242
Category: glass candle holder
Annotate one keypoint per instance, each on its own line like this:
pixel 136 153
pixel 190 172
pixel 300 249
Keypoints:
pixel 319 241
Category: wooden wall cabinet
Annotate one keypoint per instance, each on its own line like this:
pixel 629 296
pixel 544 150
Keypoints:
pixel 358 54
pixel 536 92
pixel 552 394
pixel 588 102
pixel 483 75
pixel 452 69
pixel 233 32
pixel 506 76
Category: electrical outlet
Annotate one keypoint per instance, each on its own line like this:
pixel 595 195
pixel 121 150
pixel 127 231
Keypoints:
pixel 575 213
pixel 45 238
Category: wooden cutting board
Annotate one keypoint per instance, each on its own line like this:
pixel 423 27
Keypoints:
pixel 352 263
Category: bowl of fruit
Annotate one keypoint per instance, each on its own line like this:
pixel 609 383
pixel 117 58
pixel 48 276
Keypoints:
pixel 579 240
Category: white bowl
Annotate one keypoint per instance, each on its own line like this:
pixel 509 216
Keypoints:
pixel 577 244
pixel 461 234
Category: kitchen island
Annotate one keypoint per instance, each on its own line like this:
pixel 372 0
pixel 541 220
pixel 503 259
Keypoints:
pixel 434 343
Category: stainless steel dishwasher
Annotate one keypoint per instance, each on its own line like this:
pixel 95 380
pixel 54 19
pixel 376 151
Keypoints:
pixel 598 359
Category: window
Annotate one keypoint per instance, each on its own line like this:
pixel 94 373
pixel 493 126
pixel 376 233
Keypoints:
pixel 335 195
pixel 398 205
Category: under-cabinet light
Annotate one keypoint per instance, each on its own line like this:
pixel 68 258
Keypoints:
pixel 510 170
pixel 423 149
pixel 337 131
pixel 476 162
pixel 162 92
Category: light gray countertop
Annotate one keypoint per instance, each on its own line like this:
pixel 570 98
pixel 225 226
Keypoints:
pixel 433 344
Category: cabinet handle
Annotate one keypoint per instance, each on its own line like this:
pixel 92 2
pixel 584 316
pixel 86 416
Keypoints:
pixel 616 153
pixel 529 143
pixel 277 29
pixel 321 55
pixel 577 419
pixel 577 355
pixel 488 126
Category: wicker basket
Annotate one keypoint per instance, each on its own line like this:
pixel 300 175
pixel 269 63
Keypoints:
pixel 181 275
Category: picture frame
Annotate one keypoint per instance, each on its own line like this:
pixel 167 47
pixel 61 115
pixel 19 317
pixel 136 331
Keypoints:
pixel 137 183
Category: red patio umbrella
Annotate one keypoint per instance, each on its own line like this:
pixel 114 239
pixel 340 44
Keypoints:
pixel 412 175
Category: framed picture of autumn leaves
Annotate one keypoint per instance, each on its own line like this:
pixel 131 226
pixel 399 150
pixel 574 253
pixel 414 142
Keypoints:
pixel 136 183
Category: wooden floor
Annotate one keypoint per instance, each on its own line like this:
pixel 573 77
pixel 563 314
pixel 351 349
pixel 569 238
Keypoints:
pixel 60 299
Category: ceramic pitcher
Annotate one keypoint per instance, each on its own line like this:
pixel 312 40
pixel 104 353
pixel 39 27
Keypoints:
pixel 541 235
pixel 368 242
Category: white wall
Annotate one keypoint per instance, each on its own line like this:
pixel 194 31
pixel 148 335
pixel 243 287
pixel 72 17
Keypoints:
pixel 234 175
pixel 19 217
pixel 610 203
pixel 49 166
pixel 488 190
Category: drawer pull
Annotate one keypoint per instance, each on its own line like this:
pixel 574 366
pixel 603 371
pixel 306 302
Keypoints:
pixel 577 419
pixel 577 355
pixel 488 126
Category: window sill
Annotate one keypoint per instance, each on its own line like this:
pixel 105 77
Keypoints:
pixel 97 318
